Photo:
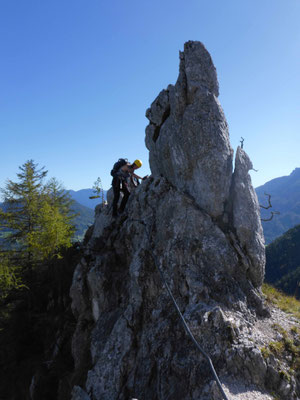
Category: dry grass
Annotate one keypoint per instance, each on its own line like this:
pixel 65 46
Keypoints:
pixel 286 303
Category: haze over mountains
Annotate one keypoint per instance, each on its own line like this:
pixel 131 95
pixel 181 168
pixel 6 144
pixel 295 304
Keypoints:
pixel 83 197
pixel 285 198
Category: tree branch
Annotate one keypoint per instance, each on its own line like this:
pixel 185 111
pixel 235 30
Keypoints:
pixel 272 214
pixel 269 202
pixel 267 207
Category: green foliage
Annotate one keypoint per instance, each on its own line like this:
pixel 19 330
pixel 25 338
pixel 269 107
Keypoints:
pixel 36 223
pixel 84 218
pixel 276 347
pixel 286 349
pixel 98 190
pixel 9 277
pixel 53 233
pixel 288 345
pixel 97 187
pixel 285 375
pixel 285 303
pixel 283 262
pixel 295 330
pixel 279 329
pixel 35 249
pixel 265 351
pixel 29 324
pixel 21 216
pixel 56 220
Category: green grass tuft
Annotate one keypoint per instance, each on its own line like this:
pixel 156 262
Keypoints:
pixel 286 303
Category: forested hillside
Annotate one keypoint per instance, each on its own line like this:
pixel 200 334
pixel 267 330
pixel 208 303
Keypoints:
pixel 30 319
pixel 283 262
pixel 83 219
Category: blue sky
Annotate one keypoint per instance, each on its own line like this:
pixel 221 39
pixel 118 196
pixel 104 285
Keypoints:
pixel 76 78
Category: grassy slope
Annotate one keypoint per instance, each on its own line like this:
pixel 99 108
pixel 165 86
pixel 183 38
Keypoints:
pixel 286 303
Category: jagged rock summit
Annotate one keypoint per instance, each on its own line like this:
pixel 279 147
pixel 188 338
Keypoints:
pixel 200 223
pixel 188 141
pixel 188 134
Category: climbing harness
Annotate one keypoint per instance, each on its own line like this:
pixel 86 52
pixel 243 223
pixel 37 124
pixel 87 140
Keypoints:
pixel 206 356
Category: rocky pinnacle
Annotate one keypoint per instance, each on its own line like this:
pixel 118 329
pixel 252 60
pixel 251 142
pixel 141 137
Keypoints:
pixel 200 223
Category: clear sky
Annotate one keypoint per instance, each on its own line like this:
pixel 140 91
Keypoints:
pixel 76 77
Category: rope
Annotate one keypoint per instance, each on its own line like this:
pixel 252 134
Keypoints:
pixel 206 356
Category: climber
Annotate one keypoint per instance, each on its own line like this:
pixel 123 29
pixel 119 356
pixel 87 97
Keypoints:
pixel 123 173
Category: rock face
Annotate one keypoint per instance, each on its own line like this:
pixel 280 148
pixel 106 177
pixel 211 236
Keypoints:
pixel 201 225
pixel 188 134
pixel 246 216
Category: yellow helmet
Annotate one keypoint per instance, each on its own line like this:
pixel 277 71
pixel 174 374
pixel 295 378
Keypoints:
pixel 138 163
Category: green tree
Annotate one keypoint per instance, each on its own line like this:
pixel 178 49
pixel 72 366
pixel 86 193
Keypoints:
pixel 20 219
pixel 59 197
pixel 9 277
pixel 55 220
pixel 98 189
pixel 37 219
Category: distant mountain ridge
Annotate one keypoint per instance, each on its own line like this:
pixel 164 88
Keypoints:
pixel 82 196
pixel 285 198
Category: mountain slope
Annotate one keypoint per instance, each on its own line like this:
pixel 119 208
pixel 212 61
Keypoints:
pixel 83 197
pixel 285 192
pixel 84 219
pixel 283 262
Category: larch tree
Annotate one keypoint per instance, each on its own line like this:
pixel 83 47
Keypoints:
pixel 55 221
pixel 37 219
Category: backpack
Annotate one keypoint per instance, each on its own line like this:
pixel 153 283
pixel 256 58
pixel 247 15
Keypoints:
pixel 118 165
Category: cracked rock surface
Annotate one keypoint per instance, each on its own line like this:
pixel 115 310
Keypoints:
pixel 188 134
pixel 200 223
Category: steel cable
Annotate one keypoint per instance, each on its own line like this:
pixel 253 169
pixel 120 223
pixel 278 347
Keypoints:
pixel 202 351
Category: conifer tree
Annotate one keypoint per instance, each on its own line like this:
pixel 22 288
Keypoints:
pixel 37 218
pixel 9 277
pixel 55 221
pixel 59 198
pixel 20 219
